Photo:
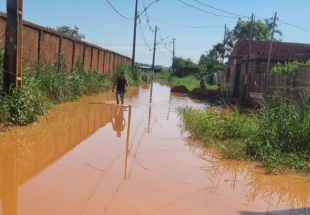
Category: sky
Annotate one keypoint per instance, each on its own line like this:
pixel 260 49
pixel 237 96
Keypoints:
pixel 103 26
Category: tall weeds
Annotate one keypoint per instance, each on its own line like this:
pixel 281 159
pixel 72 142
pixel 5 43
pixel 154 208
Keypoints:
pixel 278 135
pixel 46 85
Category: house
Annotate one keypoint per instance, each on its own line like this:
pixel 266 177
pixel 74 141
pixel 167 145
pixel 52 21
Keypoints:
pixel 281 52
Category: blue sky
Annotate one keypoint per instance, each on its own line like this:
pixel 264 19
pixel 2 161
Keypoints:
pixel 103 27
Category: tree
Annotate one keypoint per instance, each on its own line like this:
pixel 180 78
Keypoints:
pixel 73 32
pixel 243 28
pixel 181 63
pixel 269 24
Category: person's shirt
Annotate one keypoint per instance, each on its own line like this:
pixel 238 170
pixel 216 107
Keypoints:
pixel 121 84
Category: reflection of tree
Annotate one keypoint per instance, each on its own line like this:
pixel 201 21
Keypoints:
pixel 292 190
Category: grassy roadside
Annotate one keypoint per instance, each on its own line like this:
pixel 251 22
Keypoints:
pixel 191 82
pixel 45 86
pixel 278 135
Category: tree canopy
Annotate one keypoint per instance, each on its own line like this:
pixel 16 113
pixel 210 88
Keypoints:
pixel 73 32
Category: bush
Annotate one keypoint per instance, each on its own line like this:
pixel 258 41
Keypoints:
pixel 278 135
pixel 288 67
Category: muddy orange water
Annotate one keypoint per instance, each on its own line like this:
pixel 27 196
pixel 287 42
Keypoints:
pixel 94 158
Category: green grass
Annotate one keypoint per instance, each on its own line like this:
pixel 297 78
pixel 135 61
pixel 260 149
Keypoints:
pixel 47 85
pixel 164 74
pixel 191 82
pixel 278 135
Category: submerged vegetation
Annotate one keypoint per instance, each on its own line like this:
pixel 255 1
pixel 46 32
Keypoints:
pixel 277 135
pixel 44 86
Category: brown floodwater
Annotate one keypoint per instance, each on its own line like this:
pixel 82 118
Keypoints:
pixel 94 158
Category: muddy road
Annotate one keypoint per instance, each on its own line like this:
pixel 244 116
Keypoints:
pixel 95 158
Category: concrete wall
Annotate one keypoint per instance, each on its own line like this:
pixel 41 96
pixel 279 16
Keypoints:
pixel 43 45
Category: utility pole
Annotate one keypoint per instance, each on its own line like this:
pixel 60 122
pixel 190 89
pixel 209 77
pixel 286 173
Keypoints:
pixel 246 78
pixel 154 52
pixel 271 42
pixel 224 42
pixel 13 45
pixel 134 37
pixel 173 60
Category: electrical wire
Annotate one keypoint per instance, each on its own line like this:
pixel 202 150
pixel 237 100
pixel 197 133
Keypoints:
pixel 118 11
pixel 147 18
pixel 294 26
pixel 116 14
pixel 161 51
pixel 143 34
pixel 208 12
pixel 202 3
pixel 294 41
pixel 184 26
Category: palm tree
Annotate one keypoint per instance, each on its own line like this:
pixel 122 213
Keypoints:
pixel 269 25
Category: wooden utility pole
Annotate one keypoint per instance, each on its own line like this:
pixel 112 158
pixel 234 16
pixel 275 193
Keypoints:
pixel 271 42
pixel 173 61
pixel 134 37
pixel 13 45
pixel 224 44
pixel 154 53
pixel 246 78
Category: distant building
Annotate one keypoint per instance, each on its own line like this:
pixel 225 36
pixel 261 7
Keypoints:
pixel 281 52
pixel 148 69
pixel 145 68
pixel 186 71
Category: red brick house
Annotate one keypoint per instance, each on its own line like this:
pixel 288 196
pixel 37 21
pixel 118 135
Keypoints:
pixel 281 52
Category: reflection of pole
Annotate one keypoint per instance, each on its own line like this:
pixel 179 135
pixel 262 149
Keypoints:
pixel 127 142
pixel 151 93
pixel 150 114
pixel 10 182
pixel 150 109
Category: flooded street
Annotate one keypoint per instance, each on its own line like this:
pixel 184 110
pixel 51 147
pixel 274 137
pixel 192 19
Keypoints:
pixel 95 158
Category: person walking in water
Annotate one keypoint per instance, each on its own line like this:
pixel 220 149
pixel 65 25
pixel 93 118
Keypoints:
pixel 122 85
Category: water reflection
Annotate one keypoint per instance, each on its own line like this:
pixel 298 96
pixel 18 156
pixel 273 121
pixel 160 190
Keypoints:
pixel 119 121
pixel 27 151
pixel 252 181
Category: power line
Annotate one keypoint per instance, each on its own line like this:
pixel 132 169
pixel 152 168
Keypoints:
pixel 295 26
pixel 208 12
pixel 161 51
pixel 202 3
pixel 147 18
pixel 185 26
pixel 143 34
pixel 116 14
pixel 294 41
pixel 118 11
